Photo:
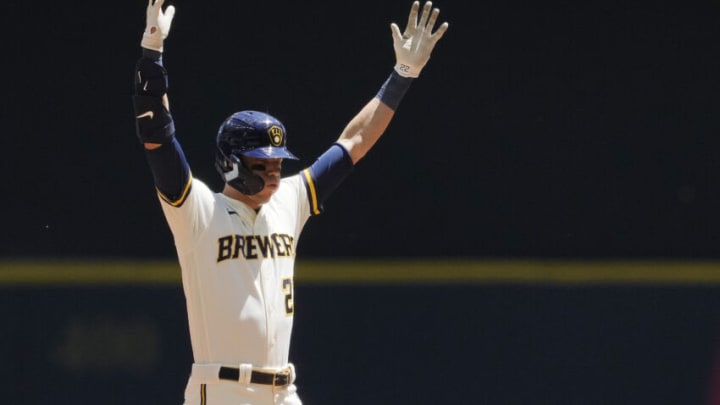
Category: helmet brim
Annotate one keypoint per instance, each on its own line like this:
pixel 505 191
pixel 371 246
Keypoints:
pixel 269 152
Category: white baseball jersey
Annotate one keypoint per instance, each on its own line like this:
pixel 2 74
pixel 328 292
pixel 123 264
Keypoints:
pixel 237 272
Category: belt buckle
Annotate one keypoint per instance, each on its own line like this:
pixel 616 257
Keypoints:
pixel 286 373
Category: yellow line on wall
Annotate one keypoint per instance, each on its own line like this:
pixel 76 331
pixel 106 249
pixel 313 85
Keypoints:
pixel 115 272
pixel 512 271
pixel 88 272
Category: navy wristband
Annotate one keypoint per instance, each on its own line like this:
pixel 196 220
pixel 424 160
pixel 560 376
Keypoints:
pixel 393 90
pixel 151 54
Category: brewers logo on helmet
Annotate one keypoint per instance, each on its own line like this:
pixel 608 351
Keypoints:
pixel 276 134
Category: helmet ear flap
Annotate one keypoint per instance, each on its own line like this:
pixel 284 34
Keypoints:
pixel 238 176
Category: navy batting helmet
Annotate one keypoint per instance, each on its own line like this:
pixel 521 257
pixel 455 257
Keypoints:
pixel 249 133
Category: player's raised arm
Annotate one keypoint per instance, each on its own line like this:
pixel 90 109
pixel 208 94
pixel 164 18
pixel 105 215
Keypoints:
pixel 412 51
pixel 153 123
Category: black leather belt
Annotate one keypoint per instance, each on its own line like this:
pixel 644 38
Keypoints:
pixel 280 379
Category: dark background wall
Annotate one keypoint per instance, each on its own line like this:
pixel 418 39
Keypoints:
pixel 553 129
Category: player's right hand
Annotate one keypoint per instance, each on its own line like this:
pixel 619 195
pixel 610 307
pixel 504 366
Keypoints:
pixel 157 25
pixel 413 47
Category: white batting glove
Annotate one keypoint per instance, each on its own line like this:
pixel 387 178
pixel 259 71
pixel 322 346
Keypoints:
pixel 413 47
pixel 157 25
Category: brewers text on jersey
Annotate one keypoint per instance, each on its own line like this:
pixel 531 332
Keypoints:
pixel 255 246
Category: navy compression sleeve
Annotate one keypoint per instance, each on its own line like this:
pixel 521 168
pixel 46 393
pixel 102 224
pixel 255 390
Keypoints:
pixel 323 176
pixel 170 171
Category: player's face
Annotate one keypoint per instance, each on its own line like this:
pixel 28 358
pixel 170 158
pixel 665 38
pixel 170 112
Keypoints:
pixel 269 170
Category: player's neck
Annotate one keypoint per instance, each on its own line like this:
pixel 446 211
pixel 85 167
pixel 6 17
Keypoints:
pixel 237 195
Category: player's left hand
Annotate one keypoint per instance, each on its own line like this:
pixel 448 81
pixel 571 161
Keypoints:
pixel 157 25
pixel 413 47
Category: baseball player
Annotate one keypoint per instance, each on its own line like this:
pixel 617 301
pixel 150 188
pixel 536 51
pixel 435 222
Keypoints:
pixel 236 247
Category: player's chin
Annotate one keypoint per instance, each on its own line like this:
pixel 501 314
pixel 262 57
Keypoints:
pixel 267 192
pixel 270 188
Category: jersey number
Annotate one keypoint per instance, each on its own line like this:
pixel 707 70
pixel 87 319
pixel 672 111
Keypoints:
pixel 287 285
